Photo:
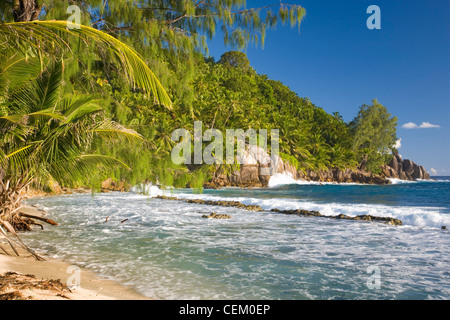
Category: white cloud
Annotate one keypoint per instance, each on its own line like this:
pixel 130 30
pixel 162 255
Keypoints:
pixel 433 171
pixel 429 125
pixel 410 125
pixel 398 143
pixel 423 125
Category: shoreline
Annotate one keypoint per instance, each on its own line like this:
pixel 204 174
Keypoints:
pixel 92 286
pixel 27 271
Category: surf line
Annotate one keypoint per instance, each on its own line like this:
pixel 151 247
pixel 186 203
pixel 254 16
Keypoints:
pixel 300 212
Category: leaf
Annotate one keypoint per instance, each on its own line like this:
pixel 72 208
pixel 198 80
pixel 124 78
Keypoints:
pixel 42 35
pixel 111 129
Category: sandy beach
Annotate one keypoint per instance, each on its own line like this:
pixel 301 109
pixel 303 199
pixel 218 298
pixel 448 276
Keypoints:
pixel 27 269
pixel 23 277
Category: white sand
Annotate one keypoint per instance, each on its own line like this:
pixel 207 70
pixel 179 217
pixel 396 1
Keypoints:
pixel 92 287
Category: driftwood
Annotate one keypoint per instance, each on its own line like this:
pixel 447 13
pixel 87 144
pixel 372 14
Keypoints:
pixel 49 221
pixel 12 286
pixel 12 219
pixel 16 242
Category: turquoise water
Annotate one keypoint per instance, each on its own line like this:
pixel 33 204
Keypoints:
pixel 167 251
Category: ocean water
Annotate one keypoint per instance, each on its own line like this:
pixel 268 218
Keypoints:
pixel 165 250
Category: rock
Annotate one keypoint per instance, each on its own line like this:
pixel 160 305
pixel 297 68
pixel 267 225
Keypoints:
pixel 216 216
pixel 396 163
pixel 249 174
pixel 404 169
pixel 408 167
pixel 306 213
pixel 236 204
pixel 403 176
pixel 387 220
pixel 299 212
pixel 444 228
pixel 257 167
pixel 110 185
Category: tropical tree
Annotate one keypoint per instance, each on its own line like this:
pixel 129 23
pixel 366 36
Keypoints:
pixel 51 39
pixel 374 135
pixel 46 137
pixel 235 59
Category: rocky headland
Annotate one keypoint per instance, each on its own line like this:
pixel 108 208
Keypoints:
pixel 257 167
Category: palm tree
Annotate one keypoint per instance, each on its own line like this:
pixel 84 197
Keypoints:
pixel 45 137
pixel 52 39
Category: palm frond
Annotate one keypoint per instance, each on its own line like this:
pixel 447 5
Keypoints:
pixel 81 168
pixel 76 107
pixel 47 88
pixel 17 69
pixel 110 130
pixel 42 35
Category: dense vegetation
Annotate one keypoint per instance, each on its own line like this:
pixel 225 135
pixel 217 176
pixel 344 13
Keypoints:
pixel 77 107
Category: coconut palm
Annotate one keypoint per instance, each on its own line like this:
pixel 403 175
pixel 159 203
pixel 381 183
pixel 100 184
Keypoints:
pixel 52 39
pixel 44 137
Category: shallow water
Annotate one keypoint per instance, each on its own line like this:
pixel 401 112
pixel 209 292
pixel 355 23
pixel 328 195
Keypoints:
pixel 166 250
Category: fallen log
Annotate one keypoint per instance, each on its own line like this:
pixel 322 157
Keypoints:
pixel 49 221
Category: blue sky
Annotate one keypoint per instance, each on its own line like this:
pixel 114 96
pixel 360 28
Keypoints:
pixel 339 64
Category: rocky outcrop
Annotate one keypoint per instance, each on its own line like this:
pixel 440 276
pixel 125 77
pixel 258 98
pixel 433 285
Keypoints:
pixel 214 215
pixel 404 169
pixel 222 203
pixel 342 176
pixel 257 167
pixel 298 212
pixel 366 217
pixel 110 185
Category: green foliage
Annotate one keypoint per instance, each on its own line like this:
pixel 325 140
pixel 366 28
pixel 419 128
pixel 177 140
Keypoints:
pixel 156 45
pixel 46 137
pixel 374 135
pixel 235 59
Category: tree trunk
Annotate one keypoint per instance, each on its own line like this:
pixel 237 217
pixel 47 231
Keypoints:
pixel 26 10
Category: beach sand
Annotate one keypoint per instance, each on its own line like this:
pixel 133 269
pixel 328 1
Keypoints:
pixel 92 287
pixel 25 277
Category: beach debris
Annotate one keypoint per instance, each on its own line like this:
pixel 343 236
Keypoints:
pixel 14 240
pixel 49 221
pixel 22 220
pixel 216 216
pixel 123 220
pixel 15 286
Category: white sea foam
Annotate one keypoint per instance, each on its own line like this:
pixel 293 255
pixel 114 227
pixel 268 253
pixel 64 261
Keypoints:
pixel 399 181
pixel 166 250
pixel 413 216
pixel 151 190
pixel 279 179
pixel 433 217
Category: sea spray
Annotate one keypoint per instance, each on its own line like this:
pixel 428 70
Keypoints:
pixel 166 250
